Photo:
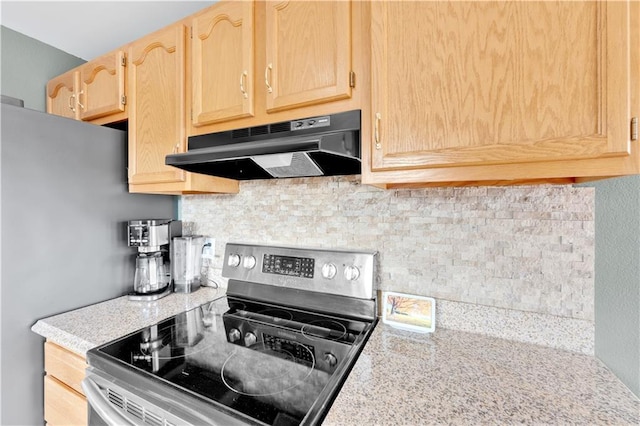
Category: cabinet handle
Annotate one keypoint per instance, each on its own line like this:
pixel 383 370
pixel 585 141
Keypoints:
pixel 377 130
pixel 79 104
pixel 176 148
pixel 71 105
pixel 243 77
pixel 267 77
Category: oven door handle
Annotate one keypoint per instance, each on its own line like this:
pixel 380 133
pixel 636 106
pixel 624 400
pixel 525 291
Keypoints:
pixel 100 404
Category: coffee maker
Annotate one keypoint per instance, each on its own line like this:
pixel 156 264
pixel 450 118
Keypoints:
pixel 153 238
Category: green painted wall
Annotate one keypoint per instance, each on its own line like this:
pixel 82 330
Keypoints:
pixel 27 65
pixel 617 277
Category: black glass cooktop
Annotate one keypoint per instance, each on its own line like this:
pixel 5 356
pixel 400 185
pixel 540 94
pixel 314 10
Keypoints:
pixel 263 362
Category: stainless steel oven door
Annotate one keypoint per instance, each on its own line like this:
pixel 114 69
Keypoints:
pixel 113 402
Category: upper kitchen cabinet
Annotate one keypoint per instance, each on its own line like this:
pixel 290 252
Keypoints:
pixel 268 61
pixel 102 86
pixel 157 116
pixel 223 71
pixel 92 92
pixel 502 92
pixel 308 53
pixel 61 95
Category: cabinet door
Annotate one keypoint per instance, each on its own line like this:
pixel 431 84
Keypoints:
pixel 486 83
pixel 61 95
pixel 102 86
pixel 223 72
pixel 156 107
pixel 308 53
pixel 63 405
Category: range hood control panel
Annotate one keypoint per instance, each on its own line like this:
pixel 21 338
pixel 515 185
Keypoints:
pixel 307 123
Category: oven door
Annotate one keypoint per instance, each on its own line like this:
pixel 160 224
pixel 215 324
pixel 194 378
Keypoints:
pixel 114 402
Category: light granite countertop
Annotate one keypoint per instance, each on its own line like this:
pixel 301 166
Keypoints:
pixel 82 329
pixel 454 377
pixel 404 378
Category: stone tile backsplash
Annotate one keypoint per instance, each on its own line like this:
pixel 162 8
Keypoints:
pixel 528 248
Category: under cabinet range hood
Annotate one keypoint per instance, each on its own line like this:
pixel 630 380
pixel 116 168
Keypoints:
pixel 325 145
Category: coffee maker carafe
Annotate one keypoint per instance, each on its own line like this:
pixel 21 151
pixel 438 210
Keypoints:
pixel 152 237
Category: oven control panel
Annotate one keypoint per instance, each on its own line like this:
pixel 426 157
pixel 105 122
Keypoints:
pixel 305 353
pixel 340 272
pixel 287 265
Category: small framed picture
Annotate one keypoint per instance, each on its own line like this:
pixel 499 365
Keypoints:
pixel 413 313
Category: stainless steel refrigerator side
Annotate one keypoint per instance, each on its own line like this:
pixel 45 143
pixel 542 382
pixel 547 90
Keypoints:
pixel 64 209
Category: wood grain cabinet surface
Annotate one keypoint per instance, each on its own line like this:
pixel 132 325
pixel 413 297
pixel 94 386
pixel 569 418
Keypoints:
pixel 64 401
pixel 156 109
pixel 254 63
pixel 93 92
pixel 102 87
pixel 157 117
pixel 308 53
pixel 490 91
pixel 451 92
pixel 223 71
pixel 61 95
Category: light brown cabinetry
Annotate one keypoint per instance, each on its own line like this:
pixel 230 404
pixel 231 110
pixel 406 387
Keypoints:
pixel 92 92
pixel 64 401
pixel 61 95
pixel 261 62
pixel 157 117
pixel 308 52
pixel 222 73
pixel 102 87
pixel 501 91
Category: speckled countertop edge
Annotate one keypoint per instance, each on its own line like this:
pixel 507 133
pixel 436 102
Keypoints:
pixel 79 331
pixel 456 377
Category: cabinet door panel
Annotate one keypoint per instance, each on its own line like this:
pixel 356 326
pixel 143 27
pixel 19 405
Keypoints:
pixel 63 405
pixel 156 107
pixel 223 73
pixel 102 86
pixel 308 53
pixel 61 97
pixel 481 83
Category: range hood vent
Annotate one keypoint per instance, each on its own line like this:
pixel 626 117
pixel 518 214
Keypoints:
pixel 316 146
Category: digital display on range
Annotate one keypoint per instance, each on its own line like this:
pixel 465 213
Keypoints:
pixel 299 350
pixel 287 265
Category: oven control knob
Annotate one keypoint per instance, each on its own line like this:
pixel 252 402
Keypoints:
pixel 330 359
pixel 234 335
pixel 234 260
pixel 250 339
pixel 351 273
pixel 329 271
pixel 249 262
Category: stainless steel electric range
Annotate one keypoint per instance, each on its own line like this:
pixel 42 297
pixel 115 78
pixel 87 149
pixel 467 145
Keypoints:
pixel 275 350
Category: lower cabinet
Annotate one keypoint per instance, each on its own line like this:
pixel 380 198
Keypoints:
pixel 64 401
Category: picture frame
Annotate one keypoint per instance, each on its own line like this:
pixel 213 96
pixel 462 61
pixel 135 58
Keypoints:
pixel 409 312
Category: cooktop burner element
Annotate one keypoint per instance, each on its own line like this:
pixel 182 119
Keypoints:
pixel 274 351
pixel 281 370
